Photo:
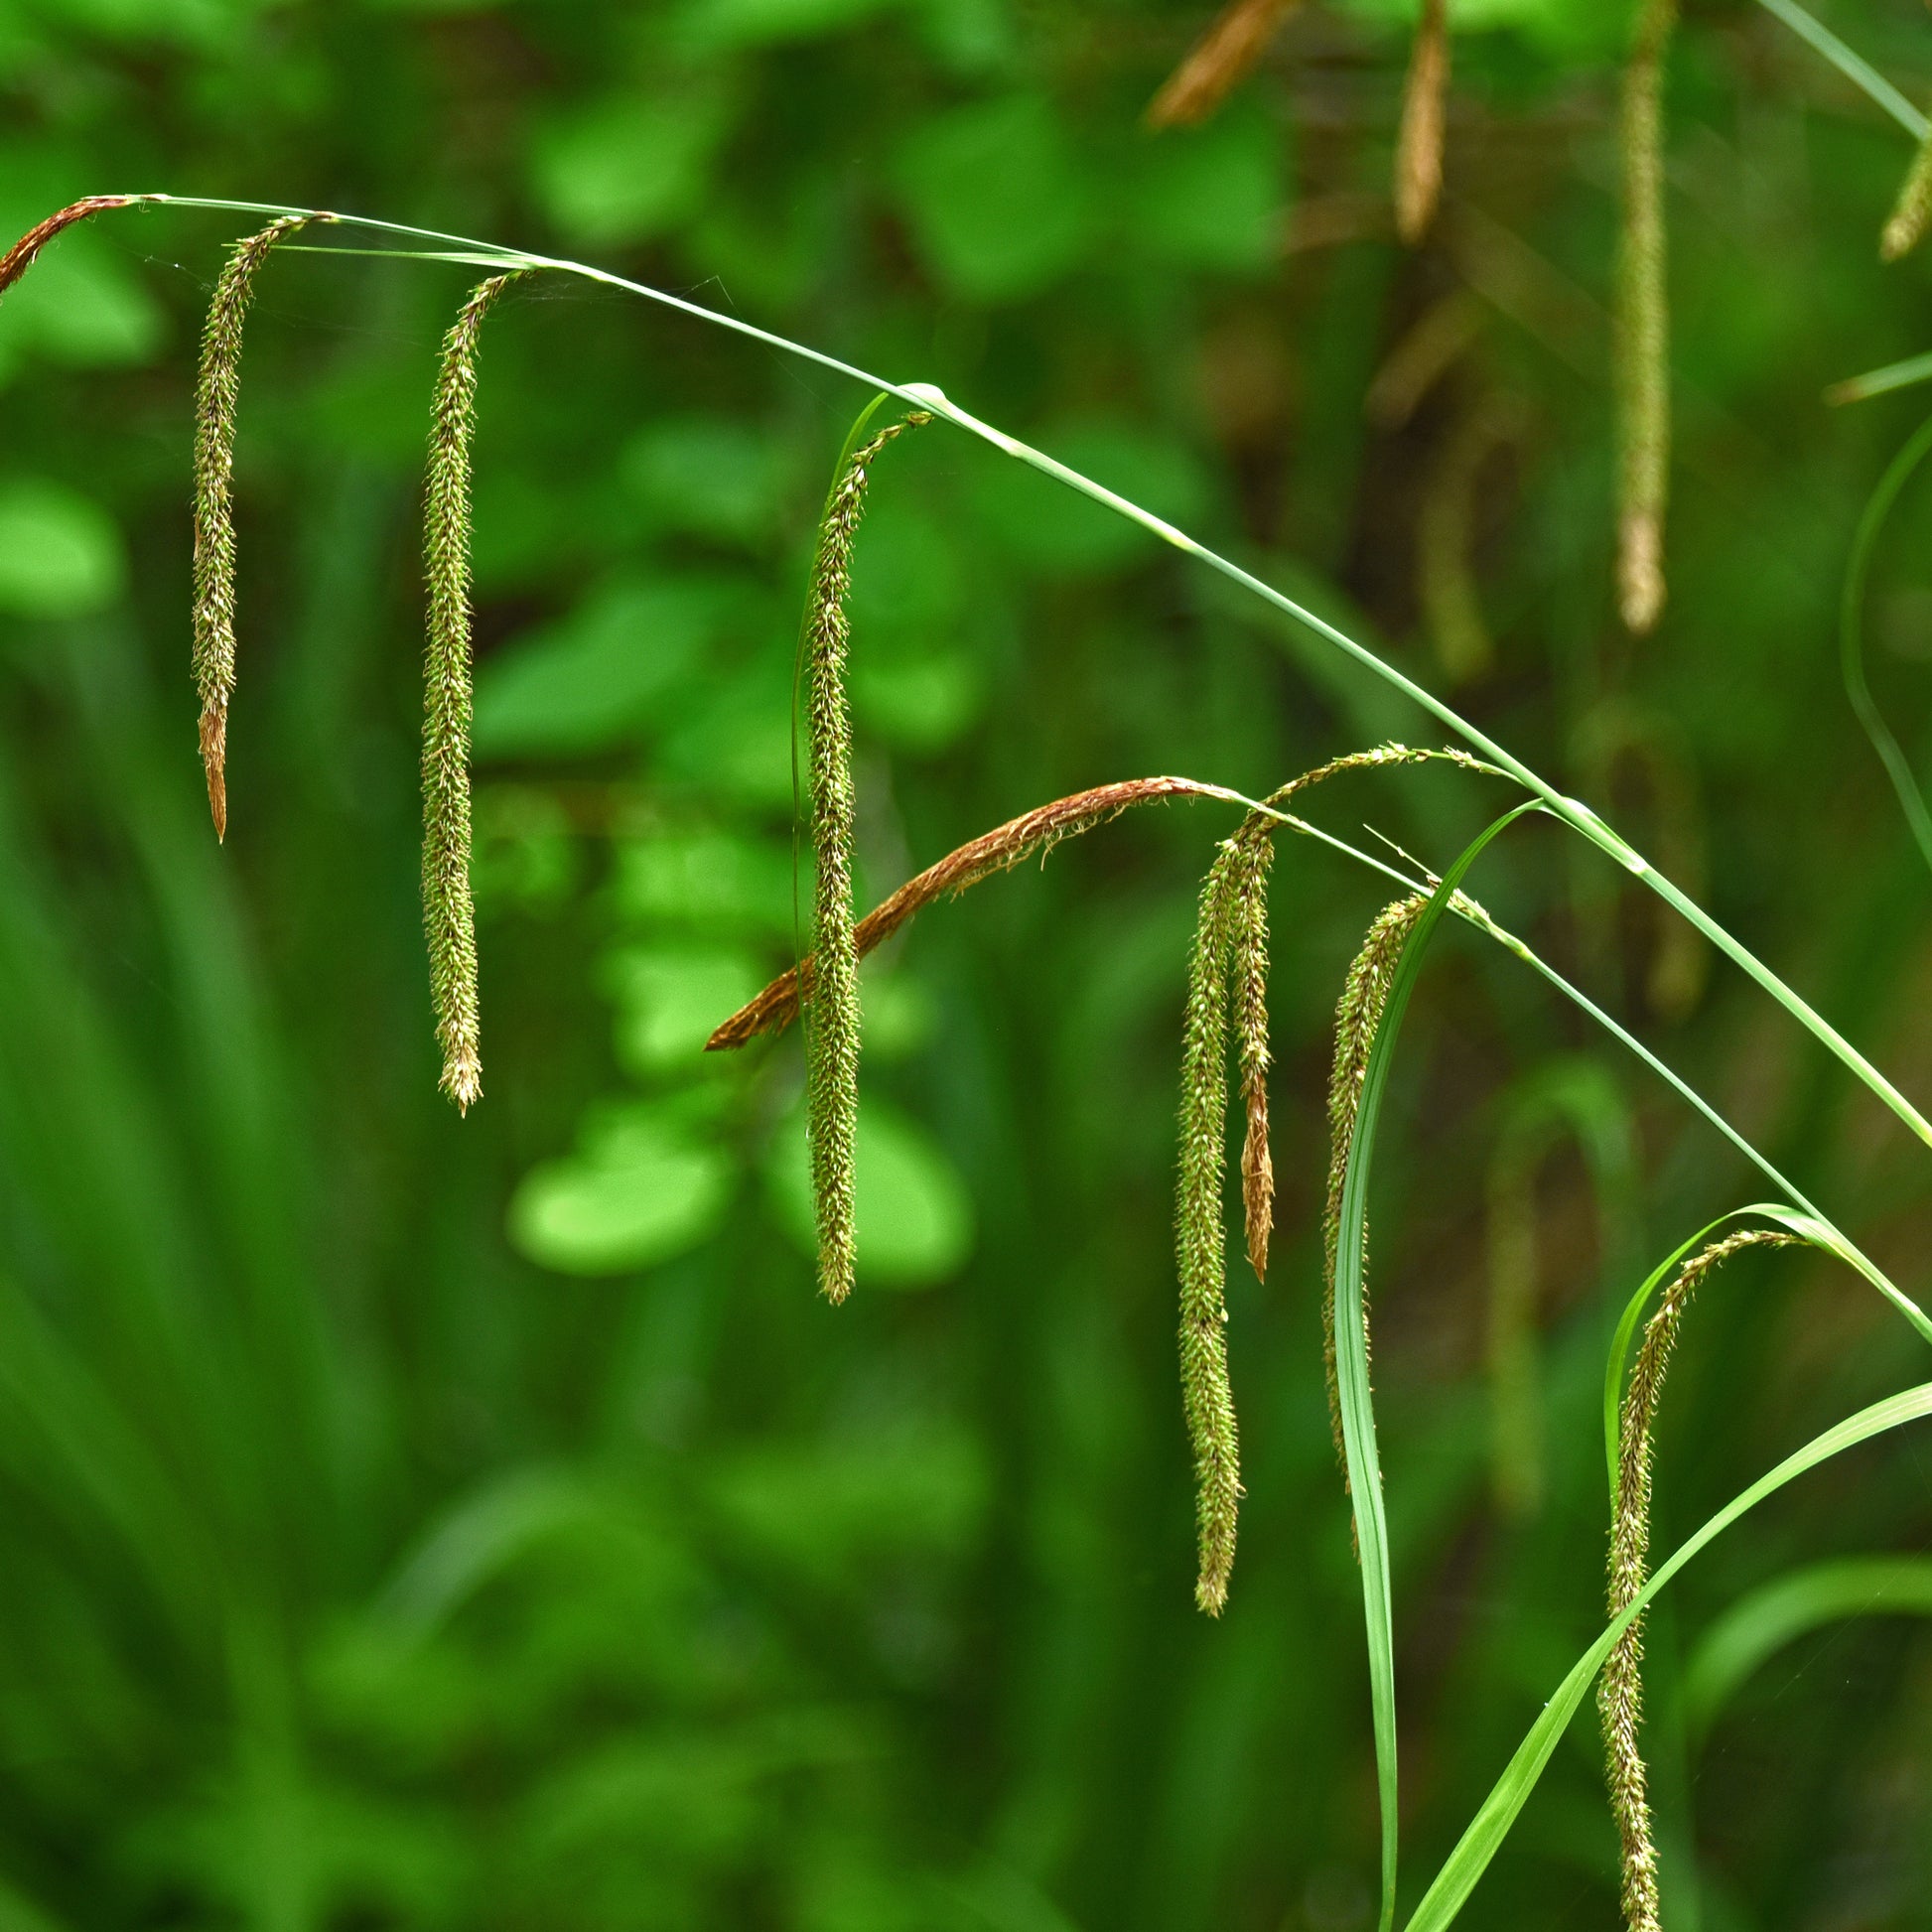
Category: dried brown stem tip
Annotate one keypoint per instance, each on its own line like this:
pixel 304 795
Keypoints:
pixel 1216 63
pixel 449 911
pixel 1619 1697
pixel 999 850
pixel 1642 324
pixel 19 258
pixel 215 397
pixel 1418 147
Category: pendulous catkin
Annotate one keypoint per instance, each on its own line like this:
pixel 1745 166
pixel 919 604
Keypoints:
pixel 449 909
pixel 1643 326
pixel 832 1044
pixel 21 256
pixel 1228 970
pixel 1418 146
pixel 1365 993
pixel 1215 64
pixel 1207 1395
pixel 215 397
pixel 1905 228
pixel 1620 1695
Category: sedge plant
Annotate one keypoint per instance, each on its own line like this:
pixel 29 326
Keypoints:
pixel 1226 1021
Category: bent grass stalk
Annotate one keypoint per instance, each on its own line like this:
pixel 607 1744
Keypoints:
pixel 1620 1694
pixel 449 908
pixel 832 1046
pixel 218 392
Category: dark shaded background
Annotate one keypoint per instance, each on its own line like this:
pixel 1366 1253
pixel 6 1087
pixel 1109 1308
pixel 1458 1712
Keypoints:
pixel 408 1521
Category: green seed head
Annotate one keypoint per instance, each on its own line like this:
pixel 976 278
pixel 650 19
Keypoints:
pixel 449 909
pixel 832 1011
pixel 1620 1695
pixel 1207 1395
pixel 215 549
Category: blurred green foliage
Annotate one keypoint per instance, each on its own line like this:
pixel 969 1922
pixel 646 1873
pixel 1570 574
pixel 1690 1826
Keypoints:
pixel 412 1522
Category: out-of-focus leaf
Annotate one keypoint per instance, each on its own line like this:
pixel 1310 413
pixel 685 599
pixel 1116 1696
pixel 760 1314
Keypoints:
pixel 632 166
pixel 897 1015
pixel 525 852
pixel 670 998
pixel 187 22
pixel 706 882
pixel 708 474
pixel 1055 532
pixel 19 1913
pixel 591 679
pixel 760 23
pixel 81 307
pixel 837 1508
pixel 1760 1624
pixel 915 1217
pixel 919 703
pixel 60 552
pixel 1568 30
pixel 909 576
pixel 1000 205
pixel 638 1192
pixel 1214 197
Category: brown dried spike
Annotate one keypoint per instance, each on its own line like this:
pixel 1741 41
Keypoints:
pixel 1039 830
pixel 19 258
pixel 1418 147
pixel 999 850
pixel 1216 63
